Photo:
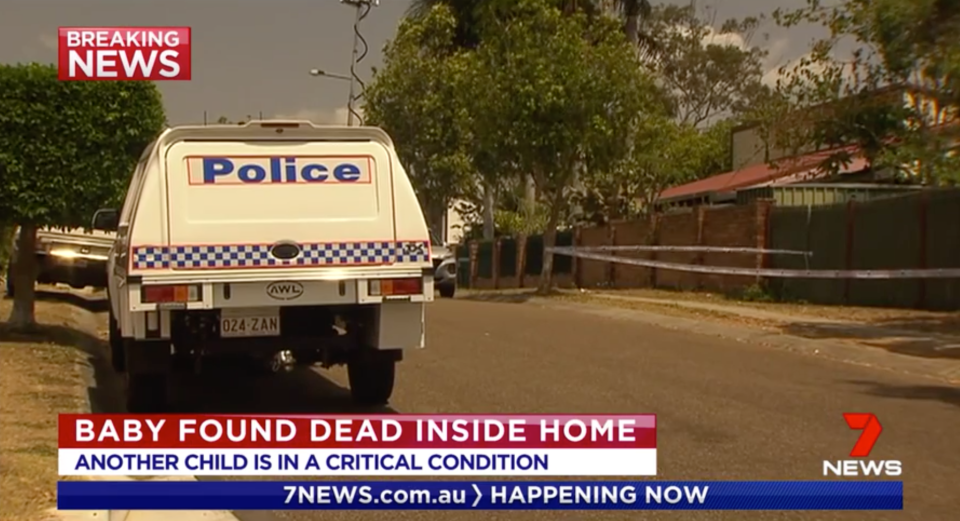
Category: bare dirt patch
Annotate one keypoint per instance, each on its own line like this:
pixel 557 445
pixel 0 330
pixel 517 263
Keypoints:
pixel 41 375
pixel 667 308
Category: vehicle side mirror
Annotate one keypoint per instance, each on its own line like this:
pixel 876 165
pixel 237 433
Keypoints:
pixel 107 220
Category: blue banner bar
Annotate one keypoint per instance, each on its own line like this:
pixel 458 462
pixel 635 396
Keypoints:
pixel 480 495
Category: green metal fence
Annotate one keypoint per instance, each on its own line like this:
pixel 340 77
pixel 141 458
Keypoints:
pixel 918 230
pixel 821 194
pixel 485 260
pixel 508 257
pixel 510 251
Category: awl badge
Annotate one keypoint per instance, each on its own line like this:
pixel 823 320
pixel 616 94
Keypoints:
pixel 284 290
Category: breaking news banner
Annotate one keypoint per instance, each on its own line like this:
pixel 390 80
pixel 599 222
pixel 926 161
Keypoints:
pixel 123 53
pixel 488 495
pixel 345 445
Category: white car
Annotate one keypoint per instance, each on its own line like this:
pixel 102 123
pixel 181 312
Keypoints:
pixel 68 256
pixel 444 267
pixel 269 239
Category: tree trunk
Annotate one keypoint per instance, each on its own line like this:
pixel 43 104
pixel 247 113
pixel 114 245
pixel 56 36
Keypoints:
pixel 549 241
pixel 24 278
pixel 632 29
pixel 529 196
pixel 436 213
pixel 488 222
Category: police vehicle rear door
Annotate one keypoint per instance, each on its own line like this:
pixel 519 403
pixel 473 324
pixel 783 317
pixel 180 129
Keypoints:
pixel 233 205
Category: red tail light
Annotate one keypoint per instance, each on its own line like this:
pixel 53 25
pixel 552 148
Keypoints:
pixel 169 293
pixel 394 287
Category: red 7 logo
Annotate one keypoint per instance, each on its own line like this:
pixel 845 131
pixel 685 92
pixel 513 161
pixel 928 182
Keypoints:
pixel 870 425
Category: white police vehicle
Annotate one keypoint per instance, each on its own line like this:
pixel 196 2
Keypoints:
pixel 268 239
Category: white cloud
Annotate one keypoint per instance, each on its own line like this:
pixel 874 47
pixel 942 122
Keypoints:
pixel 715 37
pixel 48 41
pixel 324 117
pixel 775 53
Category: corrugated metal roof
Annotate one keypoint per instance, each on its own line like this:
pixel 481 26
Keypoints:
pixel 796 169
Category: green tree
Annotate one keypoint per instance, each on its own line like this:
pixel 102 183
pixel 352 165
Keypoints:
pixel 67 148
pixel 469 14
pixel 418 99
pixel 662 153
pixel 897 48
pixel 710 73
pixel 666 153
pixel 717 148
pixel 554 96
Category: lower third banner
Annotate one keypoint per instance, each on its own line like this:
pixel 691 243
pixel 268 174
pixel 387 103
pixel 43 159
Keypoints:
pixel 480 495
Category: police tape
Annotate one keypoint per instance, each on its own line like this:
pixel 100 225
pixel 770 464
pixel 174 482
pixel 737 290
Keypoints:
pixel 707 249
pixel 945 273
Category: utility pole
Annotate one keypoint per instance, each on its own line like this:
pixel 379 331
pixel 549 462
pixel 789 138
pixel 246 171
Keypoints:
pixel 363 9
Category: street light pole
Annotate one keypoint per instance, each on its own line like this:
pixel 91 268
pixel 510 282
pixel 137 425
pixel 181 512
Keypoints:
pixel 328 74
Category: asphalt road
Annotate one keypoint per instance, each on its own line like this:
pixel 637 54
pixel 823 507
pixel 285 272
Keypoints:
pixel 726 409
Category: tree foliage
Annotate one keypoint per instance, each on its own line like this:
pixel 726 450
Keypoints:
pixel 556 96
pixel 711 73
pixel 895 96
pixel 418 98
pixel 662 153
pixel 471 13
pixel 66 149
pixel 490 94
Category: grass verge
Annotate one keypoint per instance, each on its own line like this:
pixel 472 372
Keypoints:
pixel 41 375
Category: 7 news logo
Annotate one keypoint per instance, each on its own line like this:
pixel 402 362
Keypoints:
pixel 870 429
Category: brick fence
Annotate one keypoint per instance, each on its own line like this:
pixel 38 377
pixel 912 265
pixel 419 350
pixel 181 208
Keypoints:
pixel 727 226
pixel 917 230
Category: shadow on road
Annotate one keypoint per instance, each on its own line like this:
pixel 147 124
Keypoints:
pixel 227 389
pixel 221 388
pixel 515 297
pixel 886 336
pixel 939 393
pixel 94 303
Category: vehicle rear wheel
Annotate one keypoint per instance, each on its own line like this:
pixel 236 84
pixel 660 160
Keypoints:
pixel 146 393
pixel 148 365
pixel 117 358
pixel 448 290
pixel 371 378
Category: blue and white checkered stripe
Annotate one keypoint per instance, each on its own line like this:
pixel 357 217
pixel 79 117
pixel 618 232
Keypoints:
pixel 258 255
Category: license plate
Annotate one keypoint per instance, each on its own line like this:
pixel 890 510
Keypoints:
pixel 249 324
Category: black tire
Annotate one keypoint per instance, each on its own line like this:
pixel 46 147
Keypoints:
pixel 371 379
pixel 448 290
pixel 146 393
pixel 118 358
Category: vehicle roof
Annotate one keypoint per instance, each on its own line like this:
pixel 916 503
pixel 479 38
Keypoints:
pixel 274 129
